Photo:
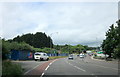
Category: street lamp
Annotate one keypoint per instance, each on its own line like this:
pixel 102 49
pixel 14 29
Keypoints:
pixel 50 37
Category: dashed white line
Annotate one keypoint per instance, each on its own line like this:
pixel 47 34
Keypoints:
pixel 42 74
pixel 80 68
pixel 76 67
pixel 47 67
pixel 50 63
pixel 106 67
pixel 70 64
pixel 92 74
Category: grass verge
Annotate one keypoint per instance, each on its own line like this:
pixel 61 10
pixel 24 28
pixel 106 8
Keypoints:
pixel 56 57
pixel 11 70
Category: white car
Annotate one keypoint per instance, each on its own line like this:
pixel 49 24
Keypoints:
pixel 41 56
pixel 82 55
pixel 70 57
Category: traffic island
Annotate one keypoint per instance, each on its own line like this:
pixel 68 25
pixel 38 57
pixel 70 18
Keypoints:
pixel 104 59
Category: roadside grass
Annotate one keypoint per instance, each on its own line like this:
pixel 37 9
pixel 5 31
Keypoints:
pixel 11 70
pixel 56 57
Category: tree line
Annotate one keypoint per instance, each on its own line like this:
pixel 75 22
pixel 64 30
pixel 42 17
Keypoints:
pixel 7 47
pixel 38 40
pixel 111 45
pixel 73 49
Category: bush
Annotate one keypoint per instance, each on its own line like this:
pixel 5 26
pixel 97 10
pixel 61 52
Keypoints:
pixel 95 55
pixel 10 69
pixel 5 49
pixel 20 46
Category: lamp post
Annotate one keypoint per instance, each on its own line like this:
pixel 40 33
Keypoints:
pixel 50 37
pixel 51 40
pixel 97 44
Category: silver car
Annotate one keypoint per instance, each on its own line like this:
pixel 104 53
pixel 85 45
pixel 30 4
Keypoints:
pixel 70 57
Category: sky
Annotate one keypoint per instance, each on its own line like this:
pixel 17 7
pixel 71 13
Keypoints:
pixel 66 22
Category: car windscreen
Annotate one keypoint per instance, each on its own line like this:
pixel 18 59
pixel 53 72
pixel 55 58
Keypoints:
pixel 37 54
pixel 70 55
pixel 82 54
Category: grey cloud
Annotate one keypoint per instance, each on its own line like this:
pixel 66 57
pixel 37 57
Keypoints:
pixel 75 22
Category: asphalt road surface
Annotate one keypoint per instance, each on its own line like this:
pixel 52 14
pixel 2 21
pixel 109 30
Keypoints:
pixel 29 65
pixel 76 67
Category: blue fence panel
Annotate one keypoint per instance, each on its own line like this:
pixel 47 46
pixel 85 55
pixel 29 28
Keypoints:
pixel 15 55
pixel 26 55
pixel 21 55
pixel 55 54
pixel 49 54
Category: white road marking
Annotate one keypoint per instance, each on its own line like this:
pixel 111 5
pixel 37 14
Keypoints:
pixel 31 69
pixel 92 74
pixel 47 67
pixel 50 63
pixel 80 68
pixel 106 67
pixel 70 64
pixel 42 74
pixel 76 67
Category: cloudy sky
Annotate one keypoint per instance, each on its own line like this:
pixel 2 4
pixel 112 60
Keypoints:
pixel 66 22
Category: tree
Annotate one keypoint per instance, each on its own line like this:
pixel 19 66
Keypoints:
pixel 117 49
pixel 109 44
pixel 38 40
pixel 70 49
pixel 112 42
pixel 49 42
pixel 5 49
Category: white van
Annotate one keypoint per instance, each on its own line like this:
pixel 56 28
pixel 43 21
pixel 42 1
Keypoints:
pixel 41 56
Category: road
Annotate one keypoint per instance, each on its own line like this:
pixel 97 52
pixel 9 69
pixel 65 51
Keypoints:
pixel 73 67
pixel 79 67
pixel 29 65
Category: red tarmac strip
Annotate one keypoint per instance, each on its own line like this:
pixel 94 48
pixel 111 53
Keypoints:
pixel 40 69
